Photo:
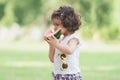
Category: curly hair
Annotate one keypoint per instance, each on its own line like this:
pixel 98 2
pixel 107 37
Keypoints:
pixel 69 19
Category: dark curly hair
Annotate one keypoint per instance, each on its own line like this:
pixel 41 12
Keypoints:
pixel 69 19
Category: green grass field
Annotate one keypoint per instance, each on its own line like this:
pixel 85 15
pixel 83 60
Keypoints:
pixel 30 62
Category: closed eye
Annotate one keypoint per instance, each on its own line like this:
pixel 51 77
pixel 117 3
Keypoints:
pixel 56 24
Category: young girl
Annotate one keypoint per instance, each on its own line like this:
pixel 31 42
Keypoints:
pixel 64 52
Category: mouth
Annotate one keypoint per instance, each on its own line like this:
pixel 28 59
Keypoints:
pixel 56 28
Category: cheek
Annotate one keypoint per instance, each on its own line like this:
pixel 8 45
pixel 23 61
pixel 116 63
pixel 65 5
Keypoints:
pixel 63 31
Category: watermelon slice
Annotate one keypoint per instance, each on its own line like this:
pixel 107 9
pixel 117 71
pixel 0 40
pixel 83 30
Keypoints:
pixel 49 32
pixel 57 34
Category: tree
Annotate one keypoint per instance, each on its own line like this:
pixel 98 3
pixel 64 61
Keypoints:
pixel 27 11
pixel 21 12
pixel 8 16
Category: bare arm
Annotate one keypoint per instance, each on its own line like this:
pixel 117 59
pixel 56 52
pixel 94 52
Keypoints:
pixel 51 53
pixel 68 49
pixel 51 50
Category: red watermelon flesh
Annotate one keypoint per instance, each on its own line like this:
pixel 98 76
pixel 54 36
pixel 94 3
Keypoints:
pixel 49 32
pixel 57 33
pixel 55 29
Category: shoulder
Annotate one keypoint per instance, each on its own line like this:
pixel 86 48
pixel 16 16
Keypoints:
pixel 74 39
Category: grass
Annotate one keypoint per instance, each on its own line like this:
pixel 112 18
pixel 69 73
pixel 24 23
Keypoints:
pixel 100 66
pixel 30 62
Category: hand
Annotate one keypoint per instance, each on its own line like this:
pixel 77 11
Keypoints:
pixel 47 34
pixel 52 40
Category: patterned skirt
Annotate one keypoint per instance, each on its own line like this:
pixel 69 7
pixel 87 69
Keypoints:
pixel 76 76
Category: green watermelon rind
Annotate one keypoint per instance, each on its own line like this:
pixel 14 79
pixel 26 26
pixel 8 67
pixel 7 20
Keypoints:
pixel 58 34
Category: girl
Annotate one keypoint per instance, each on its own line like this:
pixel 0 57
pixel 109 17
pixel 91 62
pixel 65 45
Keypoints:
pixel 64 52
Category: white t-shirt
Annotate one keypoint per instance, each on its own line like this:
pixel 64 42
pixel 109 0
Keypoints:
pixel 71 59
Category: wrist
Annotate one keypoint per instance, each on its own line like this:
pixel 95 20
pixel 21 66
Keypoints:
pixel 50 45
pixel 57 45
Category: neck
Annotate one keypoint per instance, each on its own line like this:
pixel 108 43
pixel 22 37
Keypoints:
pixel 67 34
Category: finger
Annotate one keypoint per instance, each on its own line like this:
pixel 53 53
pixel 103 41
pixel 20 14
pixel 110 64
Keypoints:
pixel 53 37
pixel 49 37
pixel 45 38
pixel 48 41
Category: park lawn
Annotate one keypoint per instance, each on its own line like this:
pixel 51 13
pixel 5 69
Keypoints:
pixel 19 64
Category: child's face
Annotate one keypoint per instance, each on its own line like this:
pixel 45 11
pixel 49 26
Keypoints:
pixel 58 25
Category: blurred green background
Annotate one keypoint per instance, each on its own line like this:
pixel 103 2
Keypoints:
pixel 24 53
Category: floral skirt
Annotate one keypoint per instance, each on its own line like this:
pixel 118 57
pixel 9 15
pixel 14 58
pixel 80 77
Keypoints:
pixel 76 76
